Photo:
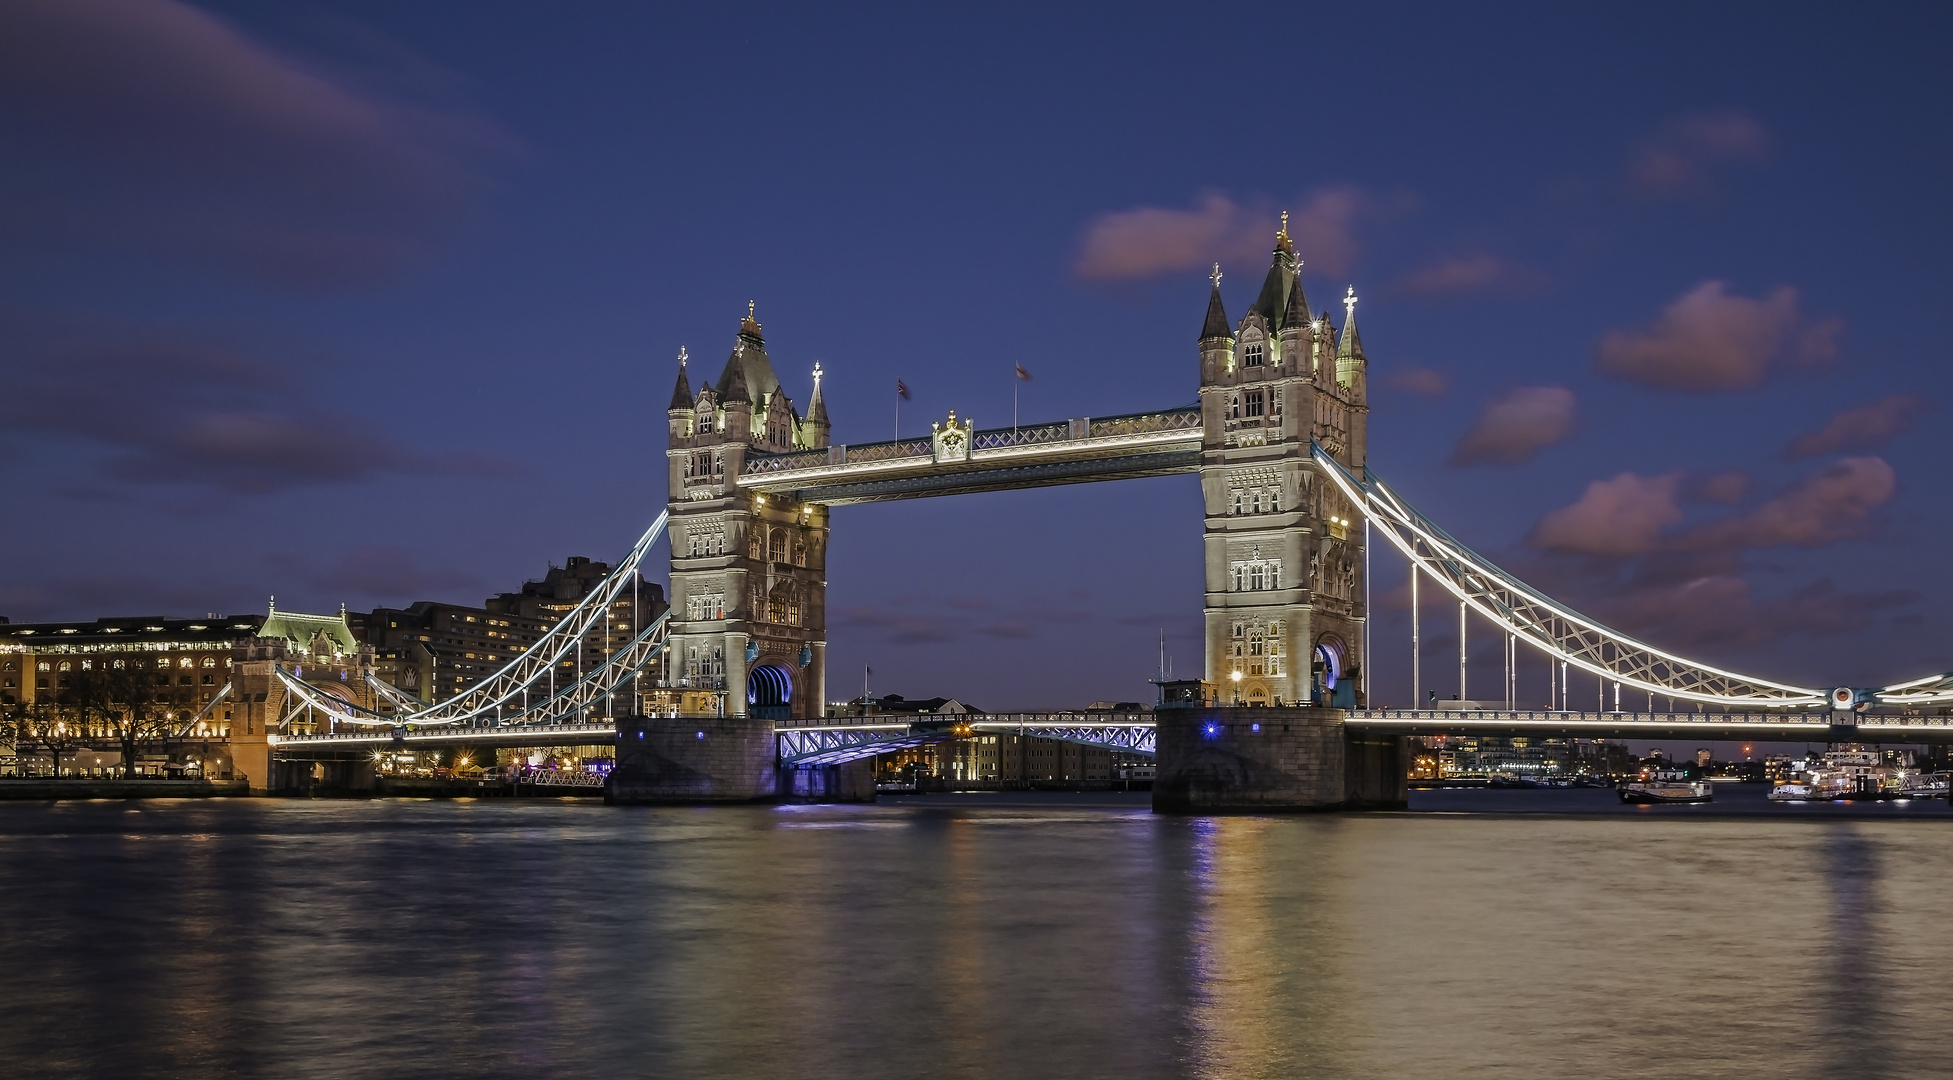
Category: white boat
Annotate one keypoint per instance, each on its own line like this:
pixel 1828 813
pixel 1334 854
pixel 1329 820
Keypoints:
pixel 1665 787
pixel 1792 792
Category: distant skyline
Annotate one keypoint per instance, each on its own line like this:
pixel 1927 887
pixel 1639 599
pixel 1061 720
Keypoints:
pixel 361 303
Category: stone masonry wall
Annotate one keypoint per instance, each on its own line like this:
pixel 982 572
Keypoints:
pixel 693 759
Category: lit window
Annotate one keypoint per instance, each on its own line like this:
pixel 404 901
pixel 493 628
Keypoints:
pixel 1253 357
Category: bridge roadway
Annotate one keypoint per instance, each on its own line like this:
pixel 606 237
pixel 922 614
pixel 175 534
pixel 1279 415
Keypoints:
pixel 847 739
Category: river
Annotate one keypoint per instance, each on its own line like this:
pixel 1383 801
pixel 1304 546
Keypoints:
pixel 1495 934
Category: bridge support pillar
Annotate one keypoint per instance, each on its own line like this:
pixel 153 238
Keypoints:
pixel 693 759
pixel 851 782
pixel 1247 760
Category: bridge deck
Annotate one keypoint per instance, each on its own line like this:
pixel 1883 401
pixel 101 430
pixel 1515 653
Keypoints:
pixel 1037 455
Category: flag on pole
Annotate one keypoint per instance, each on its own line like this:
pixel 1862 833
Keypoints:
pixel 902 389
pixel 1022 374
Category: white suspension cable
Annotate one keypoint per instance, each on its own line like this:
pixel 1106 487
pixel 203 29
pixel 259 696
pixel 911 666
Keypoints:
pixel 1543 622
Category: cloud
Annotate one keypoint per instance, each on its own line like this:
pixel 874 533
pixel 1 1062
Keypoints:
pixel 1685 156
pixel 1614 518
pixel 1861 427
pixel 154 126
pixel 1632 515
pixel 1418 380
pixel 1150 240
pixel 1711 340
pixel 1468 273
pixel 1516 426
pixel 1727 487
pixel 1831 505
pixel 168 410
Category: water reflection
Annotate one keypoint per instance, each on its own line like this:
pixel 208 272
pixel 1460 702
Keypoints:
pixel 966 937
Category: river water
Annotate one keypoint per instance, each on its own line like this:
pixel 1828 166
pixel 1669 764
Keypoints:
pixel 1495 934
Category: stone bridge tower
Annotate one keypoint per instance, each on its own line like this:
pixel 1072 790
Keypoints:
pixel 1285 604
pixel 748 572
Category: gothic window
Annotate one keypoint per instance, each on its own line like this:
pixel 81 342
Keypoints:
pixel 754 544
pixel 688 466
pixel 1239 498
pixel 718 463
pixel 66 666
pixel 705 421
pixel 776 546
pixel 1275 402
pixel 1233 406
pixel 1256 575
pixel 800 551
pixel 1251 403
pixel 1253 357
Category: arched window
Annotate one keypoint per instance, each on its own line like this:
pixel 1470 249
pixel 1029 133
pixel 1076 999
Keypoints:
pixel 705 420
pixel 66 666
pixel 209 661
pixel 776 546
pixel 1253 355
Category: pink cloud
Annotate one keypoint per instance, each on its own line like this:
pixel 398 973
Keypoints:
pixel 1861 427
pixel 1684 156
pixel 1727 487
pixel 1711 340
pixel 1516 426
pixel 1828 506
pixel 1468 273
pixel 196 140
pixel 1418 380
pixel 1150 240
pixel 1614 518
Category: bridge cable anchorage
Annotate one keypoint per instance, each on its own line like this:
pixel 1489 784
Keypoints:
pixel 1543 622
pixel 532 668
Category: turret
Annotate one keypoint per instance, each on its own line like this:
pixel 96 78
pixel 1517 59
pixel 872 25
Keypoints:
pixel 1349 351
pixel 681 404
pixel 1216 336
pixel 816 425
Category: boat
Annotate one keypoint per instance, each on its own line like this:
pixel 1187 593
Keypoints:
pixel 1666 787
pixel 1854 774
pixel 1792 792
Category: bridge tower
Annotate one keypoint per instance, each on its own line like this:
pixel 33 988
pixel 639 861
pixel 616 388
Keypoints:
pixel 748 571
pixel 1284 552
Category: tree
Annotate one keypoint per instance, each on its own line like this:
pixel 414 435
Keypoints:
pixel 140 699
pixel 48 726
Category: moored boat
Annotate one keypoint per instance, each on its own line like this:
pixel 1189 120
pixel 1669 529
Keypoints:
pixel 1667 788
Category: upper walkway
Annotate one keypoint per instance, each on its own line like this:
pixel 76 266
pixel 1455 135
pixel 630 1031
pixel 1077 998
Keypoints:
pixel 956 460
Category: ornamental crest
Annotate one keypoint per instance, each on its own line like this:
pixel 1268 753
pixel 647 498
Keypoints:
pixel 952 441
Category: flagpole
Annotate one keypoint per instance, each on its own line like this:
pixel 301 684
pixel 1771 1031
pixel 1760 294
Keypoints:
pixel 1014 380
pixel 898 410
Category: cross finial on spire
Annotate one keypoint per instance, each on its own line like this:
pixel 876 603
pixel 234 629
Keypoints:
pixel 1349 302
pixel 749 309
pixel 1215 277
pixel 682 356
pixel 1284 232
pixel 817 375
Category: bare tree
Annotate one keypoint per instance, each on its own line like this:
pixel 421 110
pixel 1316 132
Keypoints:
pixel 50 727
pixel 140 713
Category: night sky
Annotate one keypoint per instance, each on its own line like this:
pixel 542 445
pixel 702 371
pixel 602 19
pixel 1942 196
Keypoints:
pixel 367 303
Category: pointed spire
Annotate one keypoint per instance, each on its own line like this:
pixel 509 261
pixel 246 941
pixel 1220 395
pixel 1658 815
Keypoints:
pixel 1351 344
pixel 734 384
pixel 1297 313
pixel 1216 325
pixel 817 408
pixel 681 395
pixel 1274 299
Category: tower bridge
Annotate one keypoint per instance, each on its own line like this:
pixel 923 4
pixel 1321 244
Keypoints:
pixel 724 696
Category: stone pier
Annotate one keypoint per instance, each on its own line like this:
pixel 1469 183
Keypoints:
pixel 694 759
pixel 1272 760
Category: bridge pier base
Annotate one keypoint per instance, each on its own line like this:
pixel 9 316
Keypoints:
pixel 850 782
pixel 1272 760
pixel 693 759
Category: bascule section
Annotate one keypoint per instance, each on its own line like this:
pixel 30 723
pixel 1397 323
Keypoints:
pixel 1285 608
pixel 748 567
